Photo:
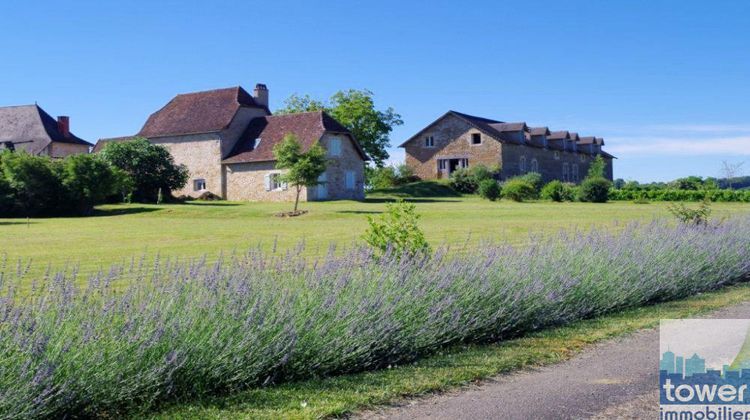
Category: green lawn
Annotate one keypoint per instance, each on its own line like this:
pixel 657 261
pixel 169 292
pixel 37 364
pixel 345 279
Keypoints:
pixel 120 232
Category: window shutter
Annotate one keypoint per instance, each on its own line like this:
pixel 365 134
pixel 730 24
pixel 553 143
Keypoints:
pixel 267 181
pixel 284 186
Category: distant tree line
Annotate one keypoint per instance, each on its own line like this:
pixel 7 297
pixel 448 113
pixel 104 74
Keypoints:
pixel 33 186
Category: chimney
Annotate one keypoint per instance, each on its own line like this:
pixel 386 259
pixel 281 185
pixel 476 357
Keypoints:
pixel 63 125
pixel 260 94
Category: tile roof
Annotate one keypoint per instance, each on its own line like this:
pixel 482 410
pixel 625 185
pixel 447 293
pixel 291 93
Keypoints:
pixel 309 127
pixel 31 129
pixel 198 112
pixel 539 131
pixel 103 142
pixel 558 135
pixel 505 127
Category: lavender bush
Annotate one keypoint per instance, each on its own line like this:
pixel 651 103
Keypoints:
pixel 141 335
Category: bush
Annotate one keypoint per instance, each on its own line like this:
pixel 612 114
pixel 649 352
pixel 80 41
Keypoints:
pixel 182 330
pixel 554 190
pixel 534 179
pixel 34 183
pixel 88 181
pixel 489 189
pixel 481 172
pixel 594 190
pixel 698 216
pixel 518 189
pixel 396 231
pixel 463 181
pixel 389 176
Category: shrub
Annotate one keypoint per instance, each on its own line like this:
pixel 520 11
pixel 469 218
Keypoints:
pixel 489 189
pixel 554 190
pixel 595 190
pixel 389 176
pixel 534 179
pixel 34 183
pixel 396 231
pixel 481 172
pixel 88 181
pixel 180 330
pixel 463 181
pixel 698 216
pixel 518 189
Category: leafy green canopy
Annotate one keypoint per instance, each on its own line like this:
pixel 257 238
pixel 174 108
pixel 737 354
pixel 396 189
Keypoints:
pixel 303 168
pixel 150 166
pixel 396 231
pixel 355 109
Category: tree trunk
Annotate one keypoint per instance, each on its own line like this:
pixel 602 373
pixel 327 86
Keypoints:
pixel 296 200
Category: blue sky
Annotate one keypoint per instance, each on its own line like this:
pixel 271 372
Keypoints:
pixel 665 83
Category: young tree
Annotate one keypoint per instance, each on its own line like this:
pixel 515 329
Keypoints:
pixel 303 168
pixel 355 109
pixel 88 181
pixel 150 166
pixel 596 170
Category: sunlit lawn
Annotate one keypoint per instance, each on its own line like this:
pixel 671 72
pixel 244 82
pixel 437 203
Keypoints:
pixel 120 232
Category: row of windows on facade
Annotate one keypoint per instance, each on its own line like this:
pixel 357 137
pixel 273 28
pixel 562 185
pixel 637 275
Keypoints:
pixel 568 173
pixel 273 182
pixel 476 138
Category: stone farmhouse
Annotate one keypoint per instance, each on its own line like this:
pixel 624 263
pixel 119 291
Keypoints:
pixel 457 140
pixel 28 128
pixel 225 137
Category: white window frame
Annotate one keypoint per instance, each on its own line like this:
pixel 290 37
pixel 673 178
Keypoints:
pixel 582 158
pixel 273 183
pixel 350 180
pixel 334 146
pixel 556 155
pixel 534 165
pixel 429 141
pixel 197 184
pixel 522 164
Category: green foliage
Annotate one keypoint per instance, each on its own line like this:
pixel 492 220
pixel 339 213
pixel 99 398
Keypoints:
pixel 596 170
pixel 518 189
pixel 34 182
pixel 355 109
pixel 88 181
pixel 396 231
pixel 554 190
pixel 533 178
pixel 150 166
pixel 594 190
pixel 389 176
pixel 489 189
pixel 303 168
pixel 481 172
pixel 679 195
pixel 463 181
pixel 697 216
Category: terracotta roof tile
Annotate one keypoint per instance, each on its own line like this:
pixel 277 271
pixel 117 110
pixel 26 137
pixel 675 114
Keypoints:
pixel 198 112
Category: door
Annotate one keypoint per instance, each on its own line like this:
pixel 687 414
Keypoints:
pixel 322 188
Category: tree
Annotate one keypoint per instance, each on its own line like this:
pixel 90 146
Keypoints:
pixel 88 181
pixel 396 231
pixel 596 170
pixel 150 167
pixel 33 183
pixel 355 109
pixel 303 168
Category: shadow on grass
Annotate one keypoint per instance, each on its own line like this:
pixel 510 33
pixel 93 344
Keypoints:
pixel 210 203
pixel 407 199
pixel 20 222
pixel 359 212
pixel 122 211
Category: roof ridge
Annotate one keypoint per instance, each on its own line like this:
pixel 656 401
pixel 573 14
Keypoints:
pixel 210 91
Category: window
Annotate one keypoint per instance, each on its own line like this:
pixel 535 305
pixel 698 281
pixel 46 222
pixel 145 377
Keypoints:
pixel 256 143
pixel 334 146
pixel 534 165
pixel 582 158
pixel 557 155
pixel 476 138
pixel 442 164
pixel 273 182
pixel 522 164
pixel 199 184
pixel 566 174
pixel 349 177
pixel 575 172
pixel 429 141
pixel 464 163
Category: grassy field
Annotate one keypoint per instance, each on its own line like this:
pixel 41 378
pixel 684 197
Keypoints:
pixel 119 232
pixel 454 367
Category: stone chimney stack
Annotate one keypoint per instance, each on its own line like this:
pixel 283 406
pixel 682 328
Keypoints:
pixel 260 94
pixel 63 125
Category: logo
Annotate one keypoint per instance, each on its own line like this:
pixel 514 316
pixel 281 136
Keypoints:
pixel 704 369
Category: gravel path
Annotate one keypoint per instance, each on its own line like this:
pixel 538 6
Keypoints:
pixel 615 379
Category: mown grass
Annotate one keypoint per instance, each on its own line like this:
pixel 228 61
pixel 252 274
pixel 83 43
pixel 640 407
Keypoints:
pixel 454 367
pixel 120 232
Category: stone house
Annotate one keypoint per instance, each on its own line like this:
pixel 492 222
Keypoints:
pixel 29 128
pixel 225 137
pixel 457 140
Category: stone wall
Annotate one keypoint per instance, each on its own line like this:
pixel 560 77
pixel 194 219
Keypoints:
pixel 60 150
pixel 201 153
pixel 350 160
pixel 452 140
pixel 246 182
pixel 550 163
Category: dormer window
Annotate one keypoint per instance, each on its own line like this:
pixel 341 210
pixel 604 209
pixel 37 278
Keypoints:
pixel 256 143
pixel 476 138
pixel 429 141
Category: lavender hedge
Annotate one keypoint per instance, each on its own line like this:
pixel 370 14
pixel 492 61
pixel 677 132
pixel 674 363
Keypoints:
pixel 182 330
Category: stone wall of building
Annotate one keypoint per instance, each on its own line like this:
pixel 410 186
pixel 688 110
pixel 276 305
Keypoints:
pixel 60 150
pixel 452 140
pixel 246 182
pixel 201 153
pixel 232 133
pixel 549 163
pixel 335 187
